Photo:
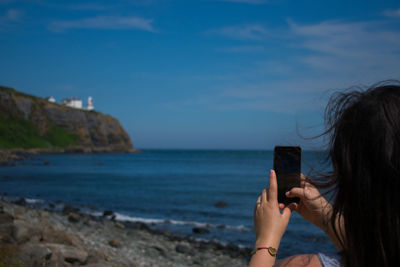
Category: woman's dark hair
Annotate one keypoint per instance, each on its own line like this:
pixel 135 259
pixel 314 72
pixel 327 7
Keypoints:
pixel 364 149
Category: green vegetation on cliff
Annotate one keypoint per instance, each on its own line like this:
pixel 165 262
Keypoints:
pixel 20 133
pixel 27 122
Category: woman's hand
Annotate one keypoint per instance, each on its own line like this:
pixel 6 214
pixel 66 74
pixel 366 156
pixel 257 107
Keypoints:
pixel 269 223
pixel 316 209
pixel 313 206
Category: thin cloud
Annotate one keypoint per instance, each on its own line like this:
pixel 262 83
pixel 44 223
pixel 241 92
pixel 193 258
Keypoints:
pixel 10 18
pixel 392 13
pixel 369 49
pixel 324 56
pixel 11 15
pixel 103 22
pixel 243 32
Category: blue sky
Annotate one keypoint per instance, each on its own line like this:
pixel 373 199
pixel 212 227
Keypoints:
pixel 210 74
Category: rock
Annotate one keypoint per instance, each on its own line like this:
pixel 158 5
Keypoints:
pixel 205 246
pixel 160 250
pixel 74 217
pixel 68 209
pixel 24 231
pixel 96 256
pixel 119 225
pixel 89 223
pixel 51 235
pixel 192 252
pixel 56 260
pixel 98 264
pixel 114 243
pixel 19 213
pixel 142 226
pixel 46 162
pixel 34 254
pixel 182 249
pixel 108 213
pixel 6 233
pixel 233 250
pixel 6 218
pixel 221 204
pixel 8 158
pixel 21 201
pixel 197 262
pixel 70 254
pixel 200 230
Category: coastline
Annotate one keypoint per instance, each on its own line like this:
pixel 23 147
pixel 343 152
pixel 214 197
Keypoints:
pixel 31 235
pixel 8 157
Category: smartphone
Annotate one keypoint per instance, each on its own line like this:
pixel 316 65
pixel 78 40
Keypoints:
pixel 287 166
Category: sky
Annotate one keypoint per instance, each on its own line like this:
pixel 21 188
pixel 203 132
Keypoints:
pixel 201 74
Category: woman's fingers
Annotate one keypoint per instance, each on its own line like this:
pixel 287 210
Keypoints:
pixel 287 211
pixel 271 193
pixel 302 180
pixel 295 192
pixel 273 187
pixel 257 204
pixel 264 196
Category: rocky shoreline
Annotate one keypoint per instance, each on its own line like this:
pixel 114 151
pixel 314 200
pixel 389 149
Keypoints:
pixel 9 157
pixel 35 237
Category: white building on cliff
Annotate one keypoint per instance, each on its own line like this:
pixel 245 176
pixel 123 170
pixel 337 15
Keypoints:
pixel 72 102
pixel 51 99
pixel 90 105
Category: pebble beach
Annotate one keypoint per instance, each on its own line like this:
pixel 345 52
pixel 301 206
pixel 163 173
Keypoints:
pixel 35 237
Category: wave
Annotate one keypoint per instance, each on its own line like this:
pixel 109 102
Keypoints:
pixel 34 201
pixel 127 218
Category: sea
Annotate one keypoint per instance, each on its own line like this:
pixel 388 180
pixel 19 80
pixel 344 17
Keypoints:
pixel 172 190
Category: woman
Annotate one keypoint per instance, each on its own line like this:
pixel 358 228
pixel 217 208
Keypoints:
pixel 364 220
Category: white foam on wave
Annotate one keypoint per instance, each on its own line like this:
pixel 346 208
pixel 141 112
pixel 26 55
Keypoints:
pixel 96 213
pixel 33 200
pixel 126 218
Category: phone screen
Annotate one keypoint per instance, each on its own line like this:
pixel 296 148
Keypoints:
pixel 287 165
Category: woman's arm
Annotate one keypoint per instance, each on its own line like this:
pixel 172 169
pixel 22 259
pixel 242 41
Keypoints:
pixel 328 229
pixel 269 224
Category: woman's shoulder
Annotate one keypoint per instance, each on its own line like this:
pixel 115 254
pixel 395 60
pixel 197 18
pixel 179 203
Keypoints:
pixel 303 260
pixel 311 260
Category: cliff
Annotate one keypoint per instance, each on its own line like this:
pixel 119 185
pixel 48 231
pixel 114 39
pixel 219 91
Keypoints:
pixel 30 122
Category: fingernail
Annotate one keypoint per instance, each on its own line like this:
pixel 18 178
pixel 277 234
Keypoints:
pixel 287 193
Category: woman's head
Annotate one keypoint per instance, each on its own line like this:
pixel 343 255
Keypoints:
pixel 364 129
